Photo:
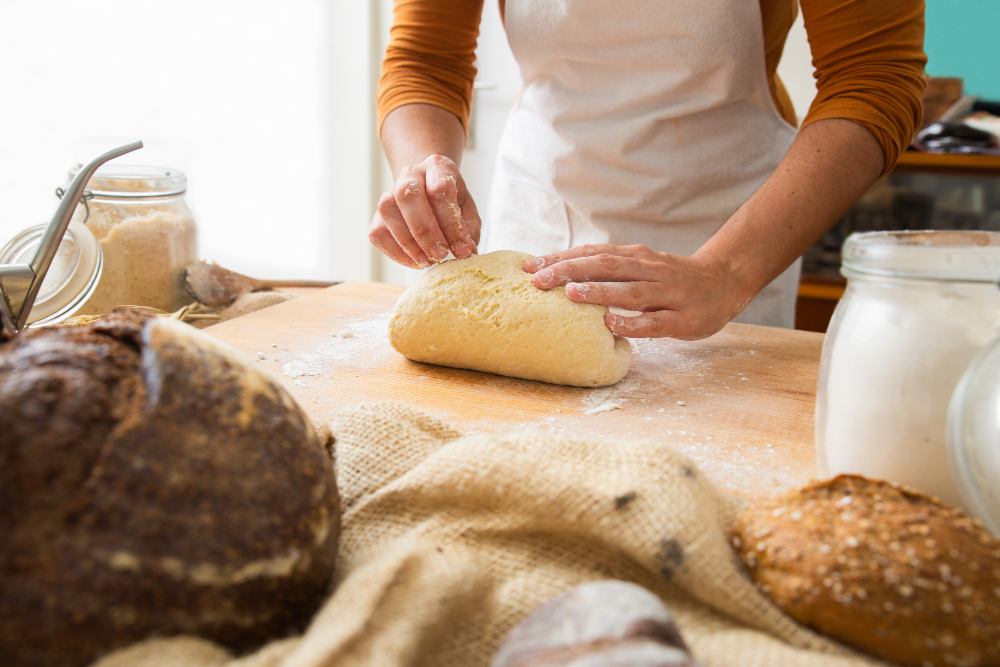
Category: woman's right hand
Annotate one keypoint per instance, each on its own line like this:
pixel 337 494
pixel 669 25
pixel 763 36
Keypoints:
pixel 427 213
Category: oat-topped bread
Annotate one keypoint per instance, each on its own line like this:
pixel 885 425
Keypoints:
pixel 881 567
pixel 152 482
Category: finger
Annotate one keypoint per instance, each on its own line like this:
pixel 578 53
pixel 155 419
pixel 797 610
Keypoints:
pixel 411 198
pixel 442 193
pixel 600 268
pixel 470 213
pixel 535 263
pixel 382 238
pixel 634 295
pixel 659 324
pixel 392 217
pixel 589 250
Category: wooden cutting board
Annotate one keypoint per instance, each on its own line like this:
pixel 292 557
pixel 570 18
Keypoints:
pixel 740 403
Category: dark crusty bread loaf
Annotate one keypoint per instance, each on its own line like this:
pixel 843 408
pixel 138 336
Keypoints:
pixel 597 624
pixel 152 482
pixel 880 567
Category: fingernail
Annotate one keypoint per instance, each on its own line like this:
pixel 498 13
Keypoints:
pixel 581 289
pixel 545 277
pixel 439 251
pixel 423 261
pixel 534 264
pixel 616 320
pixel 461 250
pixel 474 249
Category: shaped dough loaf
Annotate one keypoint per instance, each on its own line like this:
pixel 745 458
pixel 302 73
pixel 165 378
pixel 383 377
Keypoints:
pixel 484 313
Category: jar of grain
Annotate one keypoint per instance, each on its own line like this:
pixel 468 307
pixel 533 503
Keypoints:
pixel 147 235
pixel 918 308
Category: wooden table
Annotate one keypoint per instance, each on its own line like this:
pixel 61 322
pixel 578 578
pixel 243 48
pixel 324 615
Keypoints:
pixel 740 403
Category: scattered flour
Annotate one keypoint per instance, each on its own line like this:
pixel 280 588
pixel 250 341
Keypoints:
pixel 304 365
pixel 648 377
pixel 661 370
pixel 604 407
pixel 364 343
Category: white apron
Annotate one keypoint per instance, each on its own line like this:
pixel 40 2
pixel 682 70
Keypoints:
pixel 639 121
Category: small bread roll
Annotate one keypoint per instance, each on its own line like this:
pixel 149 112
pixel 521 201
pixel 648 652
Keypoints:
pixel 597 624
pixel 881 567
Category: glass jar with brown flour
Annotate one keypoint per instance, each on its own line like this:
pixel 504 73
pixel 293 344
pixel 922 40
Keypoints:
pixel 147 235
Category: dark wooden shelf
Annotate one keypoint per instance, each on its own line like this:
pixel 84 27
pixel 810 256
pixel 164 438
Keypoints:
pixel 817 298
pixel 915 161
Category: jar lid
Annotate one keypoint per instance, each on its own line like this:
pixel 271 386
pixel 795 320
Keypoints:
pixel 72 277
pixel 127 181
pixel 968 256
pixel 974 437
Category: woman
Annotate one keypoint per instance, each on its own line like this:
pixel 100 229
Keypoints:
pixel 651 160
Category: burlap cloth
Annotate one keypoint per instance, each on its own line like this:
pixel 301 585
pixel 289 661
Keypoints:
pixel 449 541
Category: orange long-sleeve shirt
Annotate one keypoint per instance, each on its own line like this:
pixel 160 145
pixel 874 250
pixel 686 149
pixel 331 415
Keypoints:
pixel 868 55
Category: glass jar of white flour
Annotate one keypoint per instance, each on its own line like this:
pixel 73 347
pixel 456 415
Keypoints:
pixel 147 235
pixel 918 308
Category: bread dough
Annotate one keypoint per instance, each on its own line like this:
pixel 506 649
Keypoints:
pixel 484 313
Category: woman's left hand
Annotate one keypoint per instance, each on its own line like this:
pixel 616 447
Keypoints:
pixel 680 297
pixel 829 165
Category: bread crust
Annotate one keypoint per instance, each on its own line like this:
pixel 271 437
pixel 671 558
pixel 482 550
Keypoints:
pixel 881 567
pixel 152 482
pixel 607 623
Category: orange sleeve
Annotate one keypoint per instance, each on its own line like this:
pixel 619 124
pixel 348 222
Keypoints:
pixel 869 60
pixel 429 59
pixel 777 17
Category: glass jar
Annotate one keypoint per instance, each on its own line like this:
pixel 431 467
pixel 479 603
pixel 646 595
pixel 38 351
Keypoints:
pixel 147 236
pixel 72 277
pixel 974 437
pixel 917 309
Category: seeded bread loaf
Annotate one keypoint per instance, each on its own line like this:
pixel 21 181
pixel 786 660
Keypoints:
pixel 880 567
pixel 152 482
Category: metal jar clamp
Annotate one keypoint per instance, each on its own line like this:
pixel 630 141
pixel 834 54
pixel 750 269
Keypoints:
pixel 19 283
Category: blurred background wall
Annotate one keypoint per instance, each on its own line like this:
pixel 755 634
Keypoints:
pixel 269 109
pixel 961 41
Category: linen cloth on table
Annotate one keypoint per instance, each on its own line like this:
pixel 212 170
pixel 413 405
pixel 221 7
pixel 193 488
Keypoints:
pixel 448 541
